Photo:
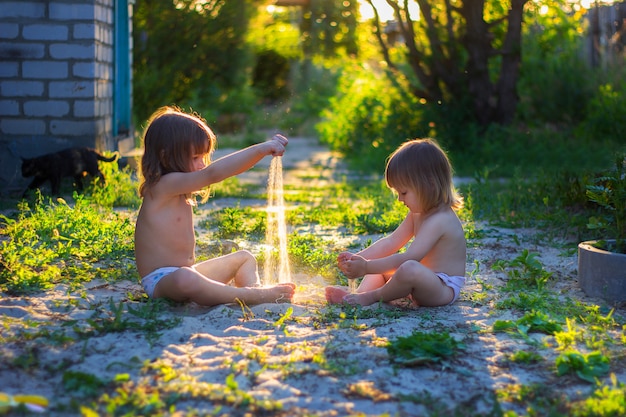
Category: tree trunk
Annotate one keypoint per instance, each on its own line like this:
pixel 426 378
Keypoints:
pixel 434 57
pixel 477 42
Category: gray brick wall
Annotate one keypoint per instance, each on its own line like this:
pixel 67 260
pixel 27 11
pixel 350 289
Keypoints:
pixel 56 86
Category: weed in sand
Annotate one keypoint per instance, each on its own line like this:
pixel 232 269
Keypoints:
pixel 587 366
pixel 335 361
pixel 525 357
pixel 523 271
pixel 478 297
pixel 533 321
pixel 280 323
pixel 421 348
pixel 81 384
pixel 346 316
pixel 605 401
pixel 537 399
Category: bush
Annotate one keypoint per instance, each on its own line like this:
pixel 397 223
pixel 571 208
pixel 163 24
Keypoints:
pixel 605 114
pixel 369 118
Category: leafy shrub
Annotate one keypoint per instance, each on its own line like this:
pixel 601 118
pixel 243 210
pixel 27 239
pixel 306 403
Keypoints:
pixel 605 114
pixel 369 118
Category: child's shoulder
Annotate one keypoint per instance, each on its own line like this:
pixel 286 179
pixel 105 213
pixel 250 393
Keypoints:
pixel 444 216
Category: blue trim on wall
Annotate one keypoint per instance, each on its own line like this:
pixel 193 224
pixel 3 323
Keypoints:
pixel 122 95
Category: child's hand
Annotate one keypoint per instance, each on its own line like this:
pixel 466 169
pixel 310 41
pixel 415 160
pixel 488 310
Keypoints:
pixel 278 144
pixel 342 260
pixel 343 256
pixel 353 267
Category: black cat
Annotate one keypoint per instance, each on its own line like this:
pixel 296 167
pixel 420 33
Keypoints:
pixel 72 162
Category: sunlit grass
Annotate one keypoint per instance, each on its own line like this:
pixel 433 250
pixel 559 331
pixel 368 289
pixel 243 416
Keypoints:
pixel 53 242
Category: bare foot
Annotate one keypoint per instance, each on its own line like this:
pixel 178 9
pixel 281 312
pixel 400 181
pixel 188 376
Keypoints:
pixel 280 293
pixel 364 299
pixel 335 295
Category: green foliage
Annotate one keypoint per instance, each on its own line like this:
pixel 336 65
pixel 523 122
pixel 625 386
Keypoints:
pixel 421 348
pixel 533 321
pixel 606 401
pixel 546 200
pixel 311 253
pixel 271 74
pixel 329 28
pixel 605 111
pixel 369 118
pixel 236 222
pixel 54 242
pixel 359 208
pixel 522 356
pixel 555 82
pixel 189 53
pixel 313 86
pixel 587 367
pixel 525 269
pixel 609 192
pixel 82 384
pixel 120 190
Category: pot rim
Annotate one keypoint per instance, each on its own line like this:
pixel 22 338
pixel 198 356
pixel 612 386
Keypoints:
pixel 588 246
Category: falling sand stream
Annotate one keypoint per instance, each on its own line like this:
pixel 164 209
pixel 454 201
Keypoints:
pixel 276 268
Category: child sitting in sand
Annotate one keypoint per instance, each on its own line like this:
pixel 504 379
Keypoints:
pixel 432 269
pixel 175 167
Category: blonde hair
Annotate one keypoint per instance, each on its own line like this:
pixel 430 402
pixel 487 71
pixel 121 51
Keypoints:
pixel 170 140
pixel 422 166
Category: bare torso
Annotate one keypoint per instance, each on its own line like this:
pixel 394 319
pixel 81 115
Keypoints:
pixel 448 254
pixel 164 234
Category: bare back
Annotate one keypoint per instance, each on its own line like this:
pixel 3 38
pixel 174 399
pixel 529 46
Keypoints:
pixel 439 242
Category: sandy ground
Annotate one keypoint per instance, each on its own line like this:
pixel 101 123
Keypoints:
pixel 304 358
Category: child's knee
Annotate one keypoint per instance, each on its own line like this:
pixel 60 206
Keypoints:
pixel 411 269
pixel 247 256
pixel 186 281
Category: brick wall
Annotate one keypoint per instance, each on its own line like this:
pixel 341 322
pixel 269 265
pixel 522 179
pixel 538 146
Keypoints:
pixel 56 79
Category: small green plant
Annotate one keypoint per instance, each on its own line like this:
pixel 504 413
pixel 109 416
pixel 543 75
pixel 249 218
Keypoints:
pixel 525 268
pixel 525 357
pixel 587 367
pixel 82 384
pixel 533 321
pixel 609 192
pixel 421 348
pixel 606 401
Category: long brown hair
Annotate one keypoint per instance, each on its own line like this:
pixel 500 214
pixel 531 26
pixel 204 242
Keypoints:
pixel 422 166
pixel 170 140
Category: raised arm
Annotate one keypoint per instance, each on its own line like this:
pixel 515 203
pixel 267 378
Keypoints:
pixel 177 183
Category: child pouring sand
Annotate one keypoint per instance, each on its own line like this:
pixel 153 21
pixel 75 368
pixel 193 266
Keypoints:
pixel 432 269
pixel 176 167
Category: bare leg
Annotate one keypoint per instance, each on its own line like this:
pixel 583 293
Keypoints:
pixel 336 294
pixel 412 278
pixel 240 266
pixel 371 282
pixel 187 284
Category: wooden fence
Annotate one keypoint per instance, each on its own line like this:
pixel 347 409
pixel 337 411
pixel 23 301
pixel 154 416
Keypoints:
pixel 607 34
